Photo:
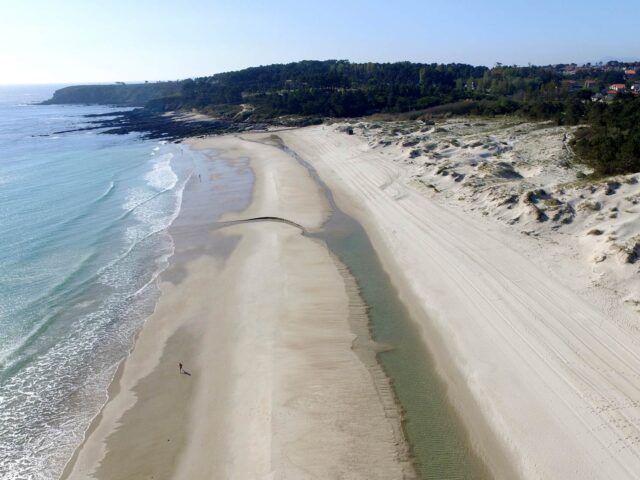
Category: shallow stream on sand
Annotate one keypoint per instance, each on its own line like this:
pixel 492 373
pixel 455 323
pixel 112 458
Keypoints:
pixel 438 440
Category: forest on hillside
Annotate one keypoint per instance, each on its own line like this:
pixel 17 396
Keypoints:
pixel 610 144
pixel 564 94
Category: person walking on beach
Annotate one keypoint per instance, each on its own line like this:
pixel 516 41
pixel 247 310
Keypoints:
pixel 180 365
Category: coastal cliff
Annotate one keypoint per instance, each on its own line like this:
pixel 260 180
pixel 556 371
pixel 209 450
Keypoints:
pixel 134 95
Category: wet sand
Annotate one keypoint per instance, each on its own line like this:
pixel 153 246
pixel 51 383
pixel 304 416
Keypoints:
pixel 260 317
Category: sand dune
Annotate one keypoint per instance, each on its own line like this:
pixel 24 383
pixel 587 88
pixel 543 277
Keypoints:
pixel 545 377
pixel 523 174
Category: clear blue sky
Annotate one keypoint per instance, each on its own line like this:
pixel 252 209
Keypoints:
pixel 50 41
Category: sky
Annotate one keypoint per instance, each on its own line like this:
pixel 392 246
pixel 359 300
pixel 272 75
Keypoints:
pixel 81 41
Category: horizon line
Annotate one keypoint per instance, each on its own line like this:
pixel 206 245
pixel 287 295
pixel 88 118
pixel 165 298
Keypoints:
pixel 604 60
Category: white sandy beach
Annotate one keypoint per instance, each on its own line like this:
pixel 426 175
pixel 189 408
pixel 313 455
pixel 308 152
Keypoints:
pixel 545 376
pixel 275 389
pixel 540 362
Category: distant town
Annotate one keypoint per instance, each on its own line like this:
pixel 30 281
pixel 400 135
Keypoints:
pixel 606 80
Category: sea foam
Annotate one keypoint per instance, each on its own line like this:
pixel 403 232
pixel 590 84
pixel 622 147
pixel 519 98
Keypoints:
pixel 84 240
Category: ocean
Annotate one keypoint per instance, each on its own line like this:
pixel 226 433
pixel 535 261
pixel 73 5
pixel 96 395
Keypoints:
pixel 83 236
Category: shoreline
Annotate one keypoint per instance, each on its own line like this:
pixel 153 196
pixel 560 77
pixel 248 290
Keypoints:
pixel 114 387
pixel 124 437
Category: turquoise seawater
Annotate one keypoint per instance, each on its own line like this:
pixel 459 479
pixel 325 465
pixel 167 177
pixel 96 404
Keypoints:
pixel 83 221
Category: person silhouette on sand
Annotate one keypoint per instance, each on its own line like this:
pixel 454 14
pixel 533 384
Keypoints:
pixel 182 370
